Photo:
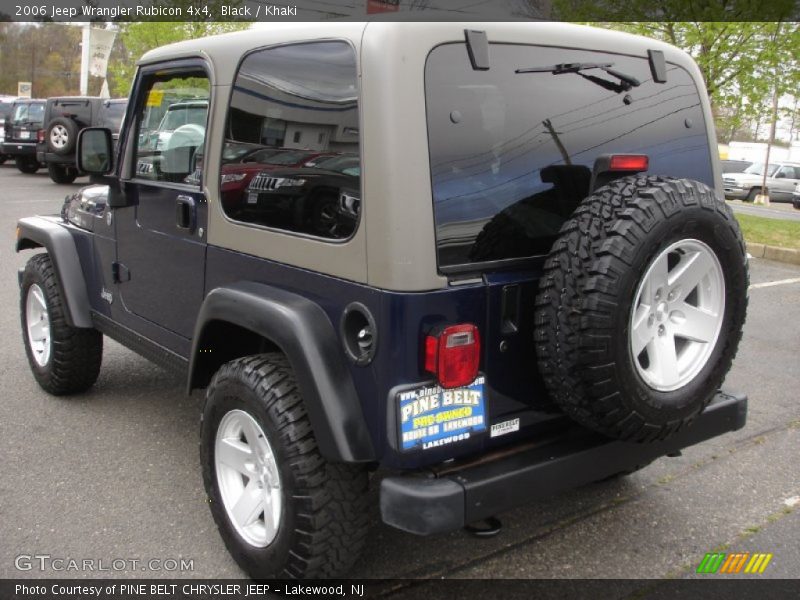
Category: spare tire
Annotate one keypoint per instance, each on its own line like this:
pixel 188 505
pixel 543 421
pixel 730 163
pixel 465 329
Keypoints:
pixel 641 306
pixel 62 135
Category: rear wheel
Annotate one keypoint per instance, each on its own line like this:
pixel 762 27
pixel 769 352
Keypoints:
pixel 281 508
pixel 27 164
pixel 61 173
pixel 63 359
pixel 640 310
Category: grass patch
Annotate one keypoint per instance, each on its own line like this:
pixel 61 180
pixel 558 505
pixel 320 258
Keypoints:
pixel 773 232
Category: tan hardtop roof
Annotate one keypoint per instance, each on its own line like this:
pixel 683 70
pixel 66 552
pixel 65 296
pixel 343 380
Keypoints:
pixel 225 51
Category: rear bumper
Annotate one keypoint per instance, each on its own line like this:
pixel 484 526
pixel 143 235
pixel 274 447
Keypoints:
pixel 19 148
pixel 48 158
pixel 427 505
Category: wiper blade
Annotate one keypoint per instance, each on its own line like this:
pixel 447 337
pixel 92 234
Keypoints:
pixel 565 68
pixel 627 81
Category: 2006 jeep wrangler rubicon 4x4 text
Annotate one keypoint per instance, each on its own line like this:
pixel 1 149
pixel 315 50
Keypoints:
pixel 490 260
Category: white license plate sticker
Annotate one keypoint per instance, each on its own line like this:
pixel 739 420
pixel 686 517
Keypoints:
pixel 505 427
pixel 431 417
pixel 252 197
pixel 24 135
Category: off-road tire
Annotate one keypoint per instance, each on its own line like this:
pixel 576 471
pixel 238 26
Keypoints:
pixel 585 297
pixel 70 128
pixel 324 522
pixel 62 174
pixel 27 164
pixel 76 353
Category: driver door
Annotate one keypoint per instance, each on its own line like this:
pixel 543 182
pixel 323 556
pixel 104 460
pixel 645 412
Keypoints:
pixel 161 236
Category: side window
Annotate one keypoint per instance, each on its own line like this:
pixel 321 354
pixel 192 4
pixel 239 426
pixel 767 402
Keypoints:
pixel 291 158
pixel 172 128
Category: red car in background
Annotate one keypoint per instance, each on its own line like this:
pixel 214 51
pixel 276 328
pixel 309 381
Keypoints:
pixel 242 164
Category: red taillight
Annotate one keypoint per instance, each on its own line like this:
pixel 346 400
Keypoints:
pixel 629 162
pixel 454 355
pixel 40 136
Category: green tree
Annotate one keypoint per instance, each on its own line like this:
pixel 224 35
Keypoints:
pixel 134 39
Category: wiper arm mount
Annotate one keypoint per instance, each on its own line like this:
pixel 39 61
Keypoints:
pixel 627 81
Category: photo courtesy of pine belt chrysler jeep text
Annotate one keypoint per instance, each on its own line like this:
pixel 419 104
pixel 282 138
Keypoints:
pixel 471 265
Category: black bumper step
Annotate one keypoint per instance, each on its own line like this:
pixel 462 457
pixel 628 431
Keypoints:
pixel 427 505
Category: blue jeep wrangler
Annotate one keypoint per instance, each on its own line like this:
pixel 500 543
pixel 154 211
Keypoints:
pixel 485 264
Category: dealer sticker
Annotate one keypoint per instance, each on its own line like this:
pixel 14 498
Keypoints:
pixel 504 427
pixel 431 417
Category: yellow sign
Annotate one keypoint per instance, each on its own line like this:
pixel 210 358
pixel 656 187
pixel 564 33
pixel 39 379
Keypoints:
pixel 155 98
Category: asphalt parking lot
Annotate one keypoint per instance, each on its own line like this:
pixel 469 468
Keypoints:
pixel 115 473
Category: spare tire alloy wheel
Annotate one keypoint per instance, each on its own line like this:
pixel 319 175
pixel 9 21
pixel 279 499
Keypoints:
pixel 61 135
pixel 677 315
pixel 641 306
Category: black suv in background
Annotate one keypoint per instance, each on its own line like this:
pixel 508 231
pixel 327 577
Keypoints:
pixel 64 117
pixel 6 106
pixel 21 128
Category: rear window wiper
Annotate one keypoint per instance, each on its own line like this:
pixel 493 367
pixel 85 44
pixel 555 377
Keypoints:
pixel 626 82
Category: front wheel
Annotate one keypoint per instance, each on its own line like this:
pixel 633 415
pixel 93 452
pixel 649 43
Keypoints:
pixel 281 508
pixel 63 359
pixel 641 307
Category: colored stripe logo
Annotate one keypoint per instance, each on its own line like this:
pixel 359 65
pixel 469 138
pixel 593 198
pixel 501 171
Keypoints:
pixel 737 562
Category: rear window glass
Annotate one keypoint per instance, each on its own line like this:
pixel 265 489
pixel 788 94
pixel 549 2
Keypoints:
pixel 112 115
pixel 512 153
pixel 28 113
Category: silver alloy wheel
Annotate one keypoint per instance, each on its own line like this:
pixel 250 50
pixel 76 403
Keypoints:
pixel 677 315
pixel 59 136
pixel 248 478
pixel 37 320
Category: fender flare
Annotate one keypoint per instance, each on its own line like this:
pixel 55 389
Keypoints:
pixel 38 232
pixel 303 332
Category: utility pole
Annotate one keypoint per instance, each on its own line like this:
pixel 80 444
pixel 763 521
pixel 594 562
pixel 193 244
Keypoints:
pixel 770 141
pixel 86 34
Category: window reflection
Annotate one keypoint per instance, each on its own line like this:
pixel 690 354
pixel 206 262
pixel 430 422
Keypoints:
pixel 172 129
pixel 291 157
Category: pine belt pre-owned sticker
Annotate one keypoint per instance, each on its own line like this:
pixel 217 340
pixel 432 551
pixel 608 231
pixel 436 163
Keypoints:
pixel 431 417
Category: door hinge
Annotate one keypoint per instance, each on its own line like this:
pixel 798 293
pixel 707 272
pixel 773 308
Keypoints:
pixel 120 272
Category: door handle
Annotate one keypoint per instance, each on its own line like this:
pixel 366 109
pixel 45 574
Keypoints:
pixel 186 213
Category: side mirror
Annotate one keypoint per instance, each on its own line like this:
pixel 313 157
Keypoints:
pixel 95 151
pixel 780 175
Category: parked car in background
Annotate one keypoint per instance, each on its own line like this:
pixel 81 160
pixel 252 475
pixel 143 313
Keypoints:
pixel 238 174
pixel 781 180
pixel 735 166
pixel 6 106
pixel 64 118
pixel 21 130
pixel 305 199
pixel 179 114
